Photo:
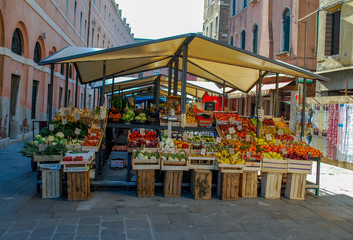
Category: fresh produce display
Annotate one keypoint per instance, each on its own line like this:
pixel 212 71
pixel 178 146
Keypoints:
pixel 142 154
pixel 128 116
pixel 49 145
pixel 73 159
pixel 190 116
pixel 167 144
pixel 136 140
pixel 181 144
pixel 207 139
pixel 119 148
pixel 114 115
pixel 226 158
pixel 268 122
pixel 68 129
pixel 117 102
pixel 247 125
pixel 224 117
pixel 180 156
pixel 141 118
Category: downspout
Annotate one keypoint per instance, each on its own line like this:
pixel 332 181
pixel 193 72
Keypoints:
pixel 270 30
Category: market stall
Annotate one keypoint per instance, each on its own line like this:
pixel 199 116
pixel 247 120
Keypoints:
pixel 234 146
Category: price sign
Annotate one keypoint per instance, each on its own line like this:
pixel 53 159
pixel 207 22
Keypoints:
pixel 64 121
pixel 231 121
pixel 262 131
pixel 284 151
pixel 229 137
pixel 203 151
pixel 77 116
pixel 77 131
pixel 51 127
pixel 42 147
pixel 231 130
pixel 219 139
pixel 231 151
pixel 268 137
pixel 247 138
pixel 280 131
pixel 248 154
pixel 277 142
pixel 142 131
pixel 240 127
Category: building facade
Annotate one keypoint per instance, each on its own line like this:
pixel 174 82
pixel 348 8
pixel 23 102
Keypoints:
pixel 335 47
pixel 32 30
pixel 216 19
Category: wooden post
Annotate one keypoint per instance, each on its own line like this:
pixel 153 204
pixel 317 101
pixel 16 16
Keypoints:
pixel 303 109
pixel 275 103
pixel 258 105
pixel 51 93
pixel 66 84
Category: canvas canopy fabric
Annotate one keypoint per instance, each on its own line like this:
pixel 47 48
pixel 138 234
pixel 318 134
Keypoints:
pixel 265 90
pixel 207 58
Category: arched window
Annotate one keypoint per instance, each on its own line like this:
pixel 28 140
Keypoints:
pixel 75 11
pixel 62 69
pixel 286 29
pixel 243 39
pixel 37 55
pixel 234 7
pixel 17 42
pixel 255 33
pixel 231 42
pixel 70 72
pixel 245 3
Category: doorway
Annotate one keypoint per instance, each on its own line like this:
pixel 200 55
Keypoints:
pixel 14 122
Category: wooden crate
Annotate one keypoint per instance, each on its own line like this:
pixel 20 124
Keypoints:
pixel 271 185
pixel 252 165
pixel 201 184
pixel 78 186
pixel 138 164
pixel 295 186
pixel 47 158
pixel 174 165
pixel 51 183
pixel 145 183
pixel 206 163
pixel 172 183
pixel 228 185
pixel 274 165
pixel 230 168
pixel 248 184
pixel 299 166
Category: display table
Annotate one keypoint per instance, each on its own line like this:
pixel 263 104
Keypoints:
pixel 201 184
pixel 172 183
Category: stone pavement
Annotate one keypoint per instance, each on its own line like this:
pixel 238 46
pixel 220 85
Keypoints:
pixel 121 215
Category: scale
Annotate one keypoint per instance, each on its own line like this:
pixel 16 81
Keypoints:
pixel 170 120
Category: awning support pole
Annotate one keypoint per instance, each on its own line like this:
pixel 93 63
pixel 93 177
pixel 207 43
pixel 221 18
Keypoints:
pixel 275 103
pixel 224 93
pixel 76 91
pixel 258 105
pixel 176 76
pixel 113 86
pixel 303 109
pixel 66 84
pixel 51 93
pixel 157 95
pixel 170 75
pixel 94 98
pixel 183 79
pixel 84 96
pixel 103 85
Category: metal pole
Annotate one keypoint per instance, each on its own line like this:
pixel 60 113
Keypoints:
pixel 84 96
pixel 157 95
pixel 224 93
pixel 89 21
pixel 275 104
pixel 303 109
pixel 170 75
pixel 76 90
pixel 256 94
pixel 103 85
pixel 176 77
pixel 66 84
pixel 113 86
pixel 51 93
pixel 94 98
pixel 183 79
pixel 258 106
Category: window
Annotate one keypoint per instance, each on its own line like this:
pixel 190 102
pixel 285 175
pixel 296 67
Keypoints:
pixel 245 3
pixel 156 72
pixel 255 33
pixel 67 8
pixel 82 100
pixel 103 43
pixel 285 30
pixel 85 31
pixel 62 69
pixel 109 20
pixel 69 97
pixel 234 7
pixel 231 42
pixel 81 23
pixel 70 72
pixel 105 13
pixel 208 3
pixel 332 35
pixel 243 39
pixel 92 37
pixel 37 55
pixel 216 25
pixel 60 96
pixel 211 29
pixel 17 42
pixel 34 99
pixel 97 40
pixel 48 98
pixel 75 10
pixel 100 5
pixel 207 32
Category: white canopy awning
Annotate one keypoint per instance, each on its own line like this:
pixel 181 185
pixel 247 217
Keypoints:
pixel 265 90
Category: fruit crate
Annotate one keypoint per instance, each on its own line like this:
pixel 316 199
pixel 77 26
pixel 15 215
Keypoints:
pixel 253 165
pixel 174 165
pixel 141 164
pixel 47 158
pixel 206 162
pixel 274 165
pixel 299 166
pixel 230 168
pixel 204 119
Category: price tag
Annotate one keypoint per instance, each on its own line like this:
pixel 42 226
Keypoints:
pixel 247 138
pixel 231 130
pixel 203 151
pixel 42 147
pixel 77 131
pixel 277 142
pixel 51 127
pixel 240 127
pixel 231 151
pixel 268 137
pixel 219 139
pixel 280 131
pixel 248 154
pixel 77 116
pixel 231 121
pixel 262 131
pixel 229 137
pixel 284 151
pixel 142 131
pixel 64 121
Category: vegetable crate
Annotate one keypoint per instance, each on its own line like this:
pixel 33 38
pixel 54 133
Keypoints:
pixel 145 164
pixel 145 183
pixel 274 165
pixel 230 168
pixel 51 183
pixel 201 184
pixel 75 166
pixel 47 158
pixel 299 166
pixel 252 165
pixel 174 165
pixel 172 183
pixel 78 186
pixel 206 163
pixel 228 185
